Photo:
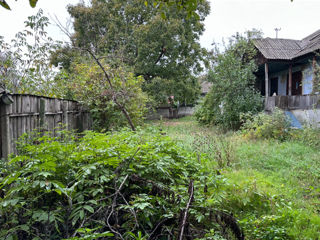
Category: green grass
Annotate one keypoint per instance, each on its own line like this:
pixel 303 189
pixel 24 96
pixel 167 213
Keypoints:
pixel 273 187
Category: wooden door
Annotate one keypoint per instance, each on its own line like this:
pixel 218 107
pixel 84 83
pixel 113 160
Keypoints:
pixel 297 83
pixel 274 86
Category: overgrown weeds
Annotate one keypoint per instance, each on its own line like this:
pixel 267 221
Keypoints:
pixel 117 185
pixel 272 183
pixel 217 148
pixel 266 126
pixel 309 136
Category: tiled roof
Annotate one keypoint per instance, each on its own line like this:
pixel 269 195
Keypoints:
pixel 287 49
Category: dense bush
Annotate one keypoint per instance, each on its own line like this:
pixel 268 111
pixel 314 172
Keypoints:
pixel 90 86
pixel 277 126
pixel 101 185
pixel 266 126
pixel 232 92
pixel 309 136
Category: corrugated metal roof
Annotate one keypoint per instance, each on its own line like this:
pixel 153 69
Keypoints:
pixel 287 49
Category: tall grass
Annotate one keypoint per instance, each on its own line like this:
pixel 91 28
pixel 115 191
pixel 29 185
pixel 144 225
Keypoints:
pixel 272 186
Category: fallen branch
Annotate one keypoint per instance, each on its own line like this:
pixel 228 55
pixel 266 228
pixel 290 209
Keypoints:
pixel 185 215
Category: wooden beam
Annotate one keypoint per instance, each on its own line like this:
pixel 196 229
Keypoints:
pixel 266 74
pixel 290 80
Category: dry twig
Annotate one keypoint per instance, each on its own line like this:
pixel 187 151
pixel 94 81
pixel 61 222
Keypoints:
pixel 185 214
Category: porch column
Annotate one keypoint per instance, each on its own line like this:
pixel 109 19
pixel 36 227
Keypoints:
pixel 266 74
pixel 290 81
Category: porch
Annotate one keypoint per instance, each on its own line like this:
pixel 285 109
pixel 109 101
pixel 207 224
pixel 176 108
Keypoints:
pixel 301 102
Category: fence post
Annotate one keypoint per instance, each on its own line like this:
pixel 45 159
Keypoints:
pixel 5 130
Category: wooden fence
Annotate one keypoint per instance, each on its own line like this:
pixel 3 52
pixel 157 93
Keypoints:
pixel 29 112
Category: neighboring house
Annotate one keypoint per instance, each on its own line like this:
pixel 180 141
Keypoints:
pixel 287 74
pixel 205 87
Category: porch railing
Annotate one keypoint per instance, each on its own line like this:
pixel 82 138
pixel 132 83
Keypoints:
pixel 293 102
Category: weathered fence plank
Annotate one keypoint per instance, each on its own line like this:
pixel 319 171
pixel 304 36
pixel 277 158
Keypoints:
pixel 29 112
pixel 5 131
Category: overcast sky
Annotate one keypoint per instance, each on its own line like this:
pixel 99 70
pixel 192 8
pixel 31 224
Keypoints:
pixel 296 19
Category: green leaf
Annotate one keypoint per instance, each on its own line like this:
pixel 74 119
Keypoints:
pixel 33 3
pixel 4 4
pixel 163 15
pixel 74 220
pixel 89 208
pixel 58 191
pixel 81 214
pixel 24 227
pixel 11 202
pixel 40 216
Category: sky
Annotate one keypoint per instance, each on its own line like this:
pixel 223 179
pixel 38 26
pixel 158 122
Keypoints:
pixel 296 19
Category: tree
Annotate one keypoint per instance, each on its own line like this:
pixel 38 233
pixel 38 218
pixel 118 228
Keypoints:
pixel 188 5
pixel 4 4
pixel 24 62
pixel 114 99
pixel 137 35
pixel 233 91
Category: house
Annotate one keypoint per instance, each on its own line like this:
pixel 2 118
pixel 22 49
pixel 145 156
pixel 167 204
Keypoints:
pixel 287 75
pixel 205 87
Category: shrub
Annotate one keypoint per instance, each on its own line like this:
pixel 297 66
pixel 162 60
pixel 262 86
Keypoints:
pixel 266 126
pixel 232 92
pixel 309 136
pixel 91 88
pixel 101 185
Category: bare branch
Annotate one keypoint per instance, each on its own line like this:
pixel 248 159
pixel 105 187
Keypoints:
pixel 185 215
pixel 114 96
pixel 162 52
pixel 114 204
pixel 157 229
pixel 62 28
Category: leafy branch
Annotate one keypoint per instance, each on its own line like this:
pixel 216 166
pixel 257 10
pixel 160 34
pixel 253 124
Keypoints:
pixel 5 5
